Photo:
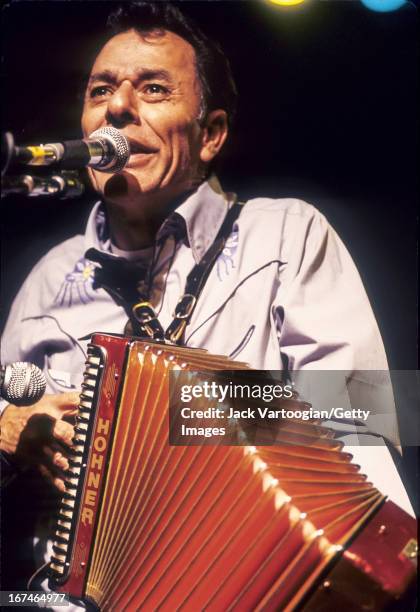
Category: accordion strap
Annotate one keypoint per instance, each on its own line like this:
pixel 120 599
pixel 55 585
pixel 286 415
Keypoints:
pixel 144 315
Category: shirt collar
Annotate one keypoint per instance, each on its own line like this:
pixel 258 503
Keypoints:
pixel 202 213
pixel 97 233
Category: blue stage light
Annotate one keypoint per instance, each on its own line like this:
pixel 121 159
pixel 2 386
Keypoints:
pixel 383 5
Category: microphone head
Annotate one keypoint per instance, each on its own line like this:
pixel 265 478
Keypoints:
pixel 120 148
pixel 24 383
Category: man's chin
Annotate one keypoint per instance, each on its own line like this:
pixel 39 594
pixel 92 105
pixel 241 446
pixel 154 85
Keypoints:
pixel 119 186
pixel 124 187
pixel 127 189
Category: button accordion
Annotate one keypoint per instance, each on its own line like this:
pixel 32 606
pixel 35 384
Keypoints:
pixel 145 525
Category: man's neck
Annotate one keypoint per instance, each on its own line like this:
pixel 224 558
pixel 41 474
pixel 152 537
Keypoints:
pixel 129 233
pixel 135 227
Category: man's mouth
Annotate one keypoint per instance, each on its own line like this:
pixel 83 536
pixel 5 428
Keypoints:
pixel 140 153
pixel 137 148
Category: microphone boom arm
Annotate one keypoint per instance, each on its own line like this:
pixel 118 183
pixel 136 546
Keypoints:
pixel 65 185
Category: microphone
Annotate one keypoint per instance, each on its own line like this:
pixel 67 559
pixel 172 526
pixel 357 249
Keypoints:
pixel 21 383
pixel 65 185
pixel 106 150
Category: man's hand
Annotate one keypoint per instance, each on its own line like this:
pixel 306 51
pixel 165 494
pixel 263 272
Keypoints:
pixel 41 434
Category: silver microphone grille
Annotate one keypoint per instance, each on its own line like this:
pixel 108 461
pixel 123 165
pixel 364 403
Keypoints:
pixel 24 383
pixel 120 146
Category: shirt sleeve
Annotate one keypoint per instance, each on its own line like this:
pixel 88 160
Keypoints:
pixel 10 348
pixel 325 322
pixel 27 335
pixel 12 344
pixel 324 317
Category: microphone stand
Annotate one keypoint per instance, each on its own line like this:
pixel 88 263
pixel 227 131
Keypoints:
pixel 65 184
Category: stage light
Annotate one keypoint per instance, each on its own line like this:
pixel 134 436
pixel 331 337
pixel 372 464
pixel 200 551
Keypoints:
pixel 383 6
pixel 286 2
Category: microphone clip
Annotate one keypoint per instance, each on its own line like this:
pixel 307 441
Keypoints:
pixel 65 184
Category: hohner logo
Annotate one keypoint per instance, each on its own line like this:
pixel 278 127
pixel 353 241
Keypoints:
pixel 100 442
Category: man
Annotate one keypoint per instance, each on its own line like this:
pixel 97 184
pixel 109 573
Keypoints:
pixel 283 293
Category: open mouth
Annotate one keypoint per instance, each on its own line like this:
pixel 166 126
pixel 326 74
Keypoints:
pixel 138 148
pixel 140 153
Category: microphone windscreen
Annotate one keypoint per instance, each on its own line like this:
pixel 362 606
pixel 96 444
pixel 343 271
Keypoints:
pixel 24 383
pixel 120 147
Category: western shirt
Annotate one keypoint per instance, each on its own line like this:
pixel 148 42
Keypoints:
pixel 283 293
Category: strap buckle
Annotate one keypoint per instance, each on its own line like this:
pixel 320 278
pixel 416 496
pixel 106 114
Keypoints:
pixel 145 316
pixel 185 306
pixel 181 315
pixel 143 312
pixel 176 330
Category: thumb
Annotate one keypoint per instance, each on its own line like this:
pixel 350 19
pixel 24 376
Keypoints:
pixel 70 399
pixel 66 403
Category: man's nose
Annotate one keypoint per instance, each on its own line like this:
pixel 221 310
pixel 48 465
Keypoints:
pixel 123 106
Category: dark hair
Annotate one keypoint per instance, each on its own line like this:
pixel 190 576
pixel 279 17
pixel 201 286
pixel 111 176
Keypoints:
pixel 213 69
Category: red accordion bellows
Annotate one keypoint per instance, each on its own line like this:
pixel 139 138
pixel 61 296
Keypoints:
pixel 147 526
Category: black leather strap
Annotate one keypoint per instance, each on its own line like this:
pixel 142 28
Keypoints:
pixel 120 279
pixel 197 278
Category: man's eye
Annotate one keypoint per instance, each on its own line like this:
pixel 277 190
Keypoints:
pixel 155 90
pixel 100 90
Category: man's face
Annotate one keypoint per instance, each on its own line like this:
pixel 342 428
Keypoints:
pixel 149 89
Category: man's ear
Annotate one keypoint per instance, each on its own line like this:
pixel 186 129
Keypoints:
pixel 215 132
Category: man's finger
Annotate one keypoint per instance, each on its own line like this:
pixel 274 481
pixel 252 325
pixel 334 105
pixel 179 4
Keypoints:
pixel 63 432
pixel 71 398
pixel 57 482
pixel 57 458
pixel 65 402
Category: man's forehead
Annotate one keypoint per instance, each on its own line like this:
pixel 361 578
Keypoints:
pixel 132 50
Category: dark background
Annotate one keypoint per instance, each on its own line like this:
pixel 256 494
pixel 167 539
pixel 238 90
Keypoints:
pixel 327 113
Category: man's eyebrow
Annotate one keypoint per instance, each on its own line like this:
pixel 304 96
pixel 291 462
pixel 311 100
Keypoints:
pixel 109 77
pixel 149 75
pixel 105 76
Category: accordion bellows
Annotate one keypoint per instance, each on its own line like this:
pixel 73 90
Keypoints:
pixel 149 526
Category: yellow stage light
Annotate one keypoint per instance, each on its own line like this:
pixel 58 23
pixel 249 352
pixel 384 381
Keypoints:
pixel 286 2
